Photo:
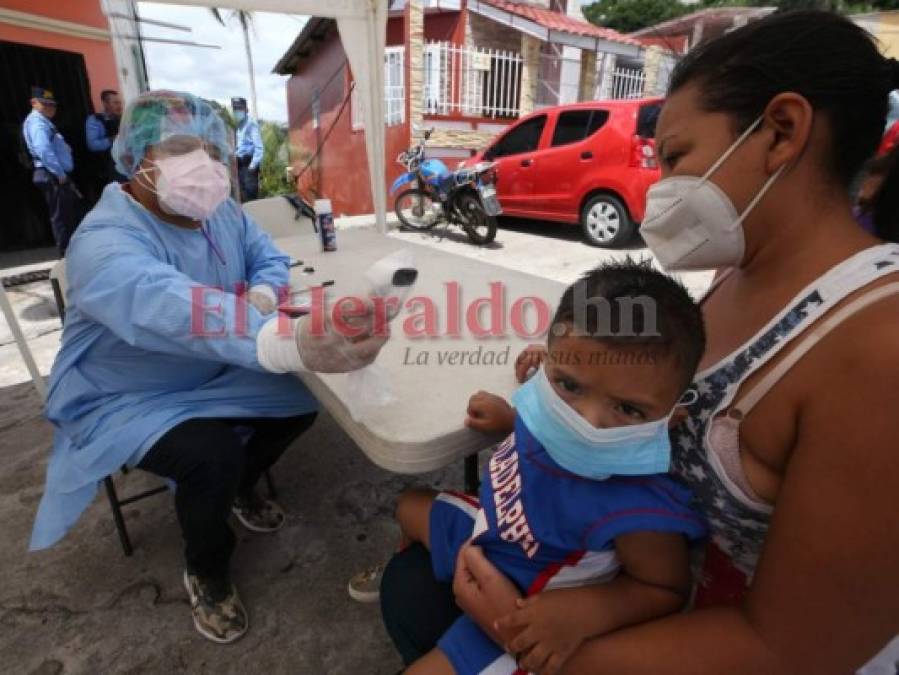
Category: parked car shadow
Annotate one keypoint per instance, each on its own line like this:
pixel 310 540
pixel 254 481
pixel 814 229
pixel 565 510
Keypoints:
pixel 563 231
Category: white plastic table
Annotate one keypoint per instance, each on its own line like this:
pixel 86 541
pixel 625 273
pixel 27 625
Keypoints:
pixel 432 378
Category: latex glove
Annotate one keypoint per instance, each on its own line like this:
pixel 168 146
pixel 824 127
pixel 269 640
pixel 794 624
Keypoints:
pixel 263 298
pixel 313 343
pixel 330 352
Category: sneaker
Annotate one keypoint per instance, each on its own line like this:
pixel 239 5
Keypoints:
pixel 218 612
pixel 366 586
pixel 258 514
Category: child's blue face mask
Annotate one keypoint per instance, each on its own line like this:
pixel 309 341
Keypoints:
pixel 585 450
pixel 240 116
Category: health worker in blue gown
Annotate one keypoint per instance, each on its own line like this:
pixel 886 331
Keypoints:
pixel 161 369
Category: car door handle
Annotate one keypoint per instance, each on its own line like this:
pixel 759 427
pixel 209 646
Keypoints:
pixel 587 155
pixel 527 162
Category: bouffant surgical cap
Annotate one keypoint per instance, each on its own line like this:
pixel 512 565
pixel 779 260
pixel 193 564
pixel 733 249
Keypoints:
pixel 156 116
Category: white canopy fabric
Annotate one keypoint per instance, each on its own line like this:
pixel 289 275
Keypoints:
pixel 362 25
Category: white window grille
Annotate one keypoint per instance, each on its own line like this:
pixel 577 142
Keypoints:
pixel 628 83
pixel 471 81
pixel 394 91
pixel 394 87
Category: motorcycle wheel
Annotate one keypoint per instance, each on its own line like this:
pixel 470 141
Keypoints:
pixel 415 209
pixel 480 228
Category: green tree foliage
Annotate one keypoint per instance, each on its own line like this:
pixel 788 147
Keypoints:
pixel 273 171
pixel 627 16
pixel 223 112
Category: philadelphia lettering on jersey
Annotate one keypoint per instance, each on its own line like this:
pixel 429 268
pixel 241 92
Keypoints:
pixel 505 479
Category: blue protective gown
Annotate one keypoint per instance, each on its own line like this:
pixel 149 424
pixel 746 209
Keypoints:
pixel 131 365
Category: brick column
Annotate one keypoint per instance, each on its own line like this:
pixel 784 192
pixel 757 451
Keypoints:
pixel 652 64
pixel 587 80
pixel 415 32
pixel 530 72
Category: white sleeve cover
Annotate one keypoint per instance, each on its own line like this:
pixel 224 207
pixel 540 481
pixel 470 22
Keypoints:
pixel 278 352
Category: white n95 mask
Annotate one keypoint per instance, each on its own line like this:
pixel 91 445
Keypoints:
pixel 192 185
pixel 691 224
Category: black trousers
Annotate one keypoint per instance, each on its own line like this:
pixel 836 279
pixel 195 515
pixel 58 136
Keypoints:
pixel 417 609
pixel 62 204
pixel 248 180
pixel 211 465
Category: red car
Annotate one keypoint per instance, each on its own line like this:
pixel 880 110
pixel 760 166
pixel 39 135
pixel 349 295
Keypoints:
pixel 586 163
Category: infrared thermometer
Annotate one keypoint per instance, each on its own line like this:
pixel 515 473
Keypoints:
pixel 392 277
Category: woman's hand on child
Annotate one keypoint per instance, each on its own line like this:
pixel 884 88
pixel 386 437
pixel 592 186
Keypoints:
pixel 548 632
pixel 483 592
pixel 529 361
pixel 489 413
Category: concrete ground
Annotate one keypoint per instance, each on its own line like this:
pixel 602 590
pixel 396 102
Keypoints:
pixel 84 608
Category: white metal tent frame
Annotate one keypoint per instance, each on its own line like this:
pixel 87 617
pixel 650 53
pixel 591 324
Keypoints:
pixel 363 26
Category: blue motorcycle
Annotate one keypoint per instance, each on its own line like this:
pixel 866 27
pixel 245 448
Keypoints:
pixel 466 197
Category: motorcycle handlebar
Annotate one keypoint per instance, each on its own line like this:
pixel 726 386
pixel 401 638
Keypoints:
pixel 410 156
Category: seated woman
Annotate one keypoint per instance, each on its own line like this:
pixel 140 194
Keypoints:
pixel 579 491
pixel 790 446
pixel 166 363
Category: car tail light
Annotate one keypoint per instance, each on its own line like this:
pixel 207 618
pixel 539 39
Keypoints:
pixel 643 153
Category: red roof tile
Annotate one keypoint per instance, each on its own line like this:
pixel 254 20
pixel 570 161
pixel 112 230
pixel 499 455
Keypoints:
pixel 675 43
pixel 560 22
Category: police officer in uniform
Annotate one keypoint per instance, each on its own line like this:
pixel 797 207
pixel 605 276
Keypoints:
pixel 52 160
pixel 100 130
pixel 249 150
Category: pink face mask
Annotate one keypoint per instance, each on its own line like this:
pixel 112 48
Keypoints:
pixel 192 185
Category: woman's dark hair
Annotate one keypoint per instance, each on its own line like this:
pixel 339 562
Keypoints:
pixel 885 205
pixel 820 55
pixel 629 303
pixel 880 165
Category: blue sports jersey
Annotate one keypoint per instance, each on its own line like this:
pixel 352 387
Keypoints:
pixel 540 516
pixel 544 528
pixel 536 518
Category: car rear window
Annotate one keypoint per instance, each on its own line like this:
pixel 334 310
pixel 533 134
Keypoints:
pixel 647 118
pixel 576 125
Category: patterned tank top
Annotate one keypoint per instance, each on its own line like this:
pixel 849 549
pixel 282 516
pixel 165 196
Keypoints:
pixel 738 525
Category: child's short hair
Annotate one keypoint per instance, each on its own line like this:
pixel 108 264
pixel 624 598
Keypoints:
pixel 629 303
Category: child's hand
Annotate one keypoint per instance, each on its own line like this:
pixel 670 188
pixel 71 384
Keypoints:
pixel 489 413
pixel 548 632
pixel 528 361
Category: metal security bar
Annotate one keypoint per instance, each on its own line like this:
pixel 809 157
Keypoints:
pixel 471 81
pixel 628 83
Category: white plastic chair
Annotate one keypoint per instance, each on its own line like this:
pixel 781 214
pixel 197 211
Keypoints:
pixel 278 217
